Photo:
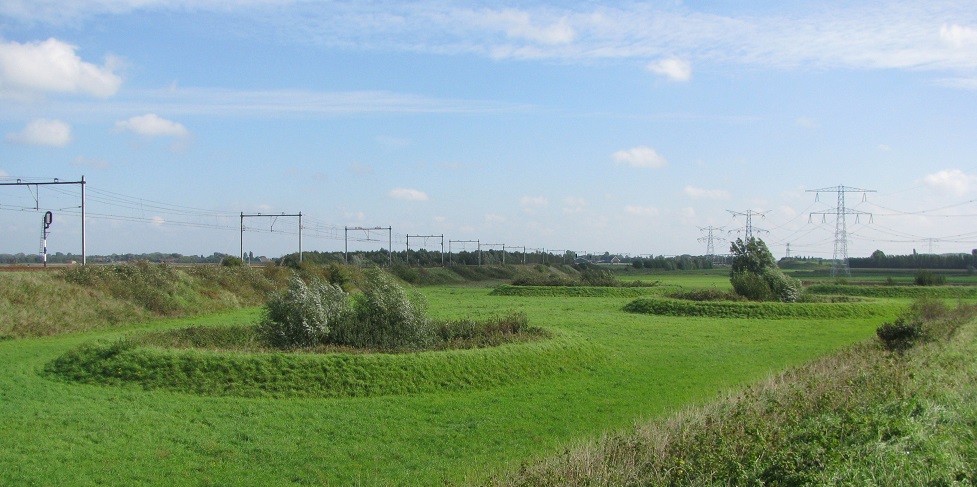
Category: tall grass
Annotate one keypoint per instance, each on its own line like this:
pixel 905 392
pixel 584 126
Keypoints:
pixel 863 416
pixel 92 297
pixel 40 304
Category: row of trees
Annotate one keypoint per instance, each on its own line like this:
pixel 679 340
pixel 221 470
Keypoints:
pixel 680 262
pixel 879 260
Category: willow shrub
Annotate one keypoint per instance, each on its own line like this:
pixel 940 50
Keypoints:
pixel 303 315
pixel 385 316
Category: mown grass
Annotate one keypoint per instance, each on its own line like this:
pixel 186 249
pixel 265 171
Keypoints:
pixel 334 375
pixel 574 291
pixel 864 416
pixel 54 431
pixel 761 311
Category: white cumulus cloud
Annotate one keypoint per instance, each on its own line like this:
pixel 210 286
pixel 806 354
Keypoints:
pixel 43 132
pixel 407 194
pixel 953 181
pixel 672 68
pixel 152 125
pixel 714 194
pixel 52 66
pixel 641 156
pixel 958 35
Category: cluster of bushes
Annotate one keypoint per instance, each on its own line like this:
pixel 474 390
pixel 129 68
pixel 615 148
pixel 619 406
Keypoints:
pixel 383 316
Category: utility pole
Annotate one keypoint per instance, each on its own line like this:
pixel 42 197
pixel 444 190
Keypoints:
pixel 841 212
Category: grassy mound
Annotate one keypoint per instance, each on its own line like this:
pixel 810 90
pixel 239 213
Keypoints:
pixel 946 292
pixel 754 310
pixel 335 375
pixel 574 291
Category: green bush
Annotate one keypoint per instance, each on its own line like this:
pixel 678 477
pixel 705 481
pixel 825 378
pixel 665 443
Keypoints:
pixel 304 314
pixel 751 286
pixel 385 316
pixel 929 278
pixel 901 334
pixel 231 261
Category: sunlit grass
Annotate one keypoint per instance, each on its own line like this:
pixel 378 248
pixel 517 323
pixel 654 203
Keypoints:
pixel 649 366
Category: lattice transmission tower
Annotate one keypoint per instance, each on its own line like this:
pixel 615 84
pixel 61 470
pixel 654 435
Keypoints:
pixel 749 228
pixel 841 212
pixel 710 239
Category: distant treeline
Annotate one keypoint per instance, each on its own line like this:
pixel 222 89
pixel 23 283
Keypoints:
pixel 678 262
pixel 62 258
pixel 879 260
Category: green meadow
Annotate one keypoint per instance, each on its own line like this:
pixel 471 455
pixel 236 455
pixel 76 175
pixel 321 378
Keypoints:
pixel 609 370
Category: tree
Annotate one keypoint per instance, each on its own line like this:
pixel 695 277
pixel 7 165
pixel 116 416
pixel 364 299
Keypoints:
pixel 755 275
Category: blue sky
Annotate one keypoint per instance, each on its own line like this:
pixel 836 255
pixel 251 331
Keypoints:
pixel 624 127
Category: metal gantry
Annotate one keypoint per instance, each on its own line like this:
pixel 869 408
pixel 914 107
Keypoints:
pixel 390 241
pixel 425 237
pixel 275 216
pixel 84 258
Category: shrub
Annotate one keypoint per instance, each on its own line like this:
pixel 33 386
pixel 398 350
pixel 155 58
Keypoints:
pixel 304 314
pixel 783 287
pixel 385 316
pixel 901 334
pixel 231 261
pixel 929 278
pixel 751 286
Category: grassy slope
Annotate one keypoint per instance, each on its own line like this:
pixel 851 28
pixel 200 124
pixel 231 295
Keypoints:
pixel 861 417
pixel 97 434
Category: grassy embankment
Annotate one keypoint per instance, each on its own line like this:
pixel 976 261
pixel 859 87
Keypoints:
pixel 864 416
pixel 60 431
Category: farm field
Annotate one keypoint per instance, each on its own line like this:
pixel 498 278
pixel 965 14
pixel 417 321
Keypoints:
pixel 57 432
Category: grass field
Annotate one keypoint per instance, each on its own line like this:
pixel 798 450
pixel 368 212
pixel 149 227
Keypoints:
pixel 59 432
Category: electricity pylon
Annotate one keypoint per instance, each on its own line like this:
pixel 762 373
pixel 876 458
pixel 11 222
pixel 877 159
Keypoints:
pixel 749 222
pixel 709 239
pixel 841 212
